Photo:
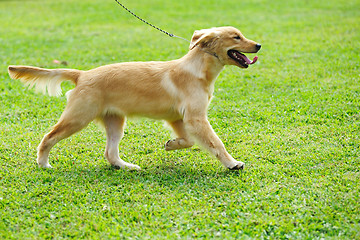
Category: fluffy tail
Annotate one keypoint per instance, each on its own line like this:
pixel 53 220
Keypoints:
pixel 44 79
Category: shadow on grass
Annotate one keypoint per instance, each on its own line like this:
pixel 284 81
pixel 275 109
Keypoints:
pixel 166 176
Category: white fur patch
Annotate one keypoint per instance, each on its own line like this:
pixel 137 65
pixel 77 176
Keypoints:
pixel 51 85
pixel 68 93
pixel 168 85
pixel 195 67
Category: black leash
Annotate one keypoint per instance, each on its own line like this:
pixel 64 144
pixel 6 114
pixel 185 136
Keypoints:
pixel 152 25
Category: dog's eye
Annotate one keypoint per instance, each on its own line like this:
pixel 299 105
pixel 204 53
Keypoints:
pixel 237 37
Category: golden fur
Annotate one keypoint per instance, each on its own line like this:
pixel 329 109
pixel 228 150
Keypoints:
pixel 177 91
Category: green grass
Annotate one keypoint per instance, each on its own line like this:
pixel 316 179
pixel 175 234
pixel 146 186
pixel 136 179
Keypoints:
pixel 293 117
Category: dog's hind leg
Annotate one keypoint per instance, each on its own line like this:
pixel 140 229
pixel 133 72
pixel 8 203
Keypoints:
pixel 114 126
pixel 78 113
pixel 183 140
pixel 63 129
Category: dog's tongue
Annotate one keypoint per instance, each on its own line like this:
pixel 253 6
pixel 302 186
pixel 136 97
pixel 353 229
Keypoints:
pixel 247 60
pixel 254 60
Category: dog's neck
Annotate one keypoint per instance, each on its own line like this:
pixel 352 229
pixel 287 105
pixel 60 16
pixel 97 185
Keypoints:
pixel 202 64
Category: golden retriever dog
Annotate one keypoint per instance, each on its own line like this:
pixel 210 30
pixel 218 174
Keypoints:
pixel 177 91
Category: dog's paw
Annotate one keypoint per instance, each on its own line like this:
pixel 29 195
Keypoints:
pixel 170 145
pixel 178 143
pixel 237 166
pixel 46 165
pixel 131 167
pixel 127 166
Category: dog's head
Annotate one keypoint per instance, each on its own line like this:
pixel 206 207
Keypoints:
pixel 226 43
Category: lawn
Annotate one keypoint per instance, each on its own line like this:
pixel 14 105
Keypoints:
pixel 293 118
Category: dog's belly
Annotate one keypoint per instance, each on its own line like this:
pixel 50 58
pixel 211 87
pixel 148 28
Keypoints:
pixel 160 114
pixel 144 108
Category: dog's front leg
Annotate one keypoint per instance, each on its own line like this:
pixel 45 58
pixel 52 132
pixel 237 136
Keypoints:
pixel 183 140
pixel 198 126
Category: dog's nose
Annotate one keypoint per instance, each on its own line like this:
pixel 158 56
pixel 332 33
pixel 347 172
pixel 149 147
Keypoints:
pixel 258 46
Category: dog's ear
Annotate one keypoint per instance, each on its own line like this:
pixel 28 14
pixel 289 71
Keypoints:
pixel 201 37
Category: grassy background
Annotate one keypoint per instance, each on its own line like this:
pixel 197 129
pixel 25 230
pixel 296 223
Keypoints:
pixel 293 117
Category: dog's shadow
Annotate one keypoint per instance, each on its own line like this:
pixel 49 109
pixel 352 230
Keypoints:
pixel 168 177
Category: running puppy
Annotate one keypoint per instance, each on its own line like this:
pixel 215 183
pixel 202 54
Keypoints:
pixel 177 91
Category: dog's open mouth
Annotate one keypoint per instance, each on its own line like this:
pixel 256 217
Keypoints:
pixel 241 58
